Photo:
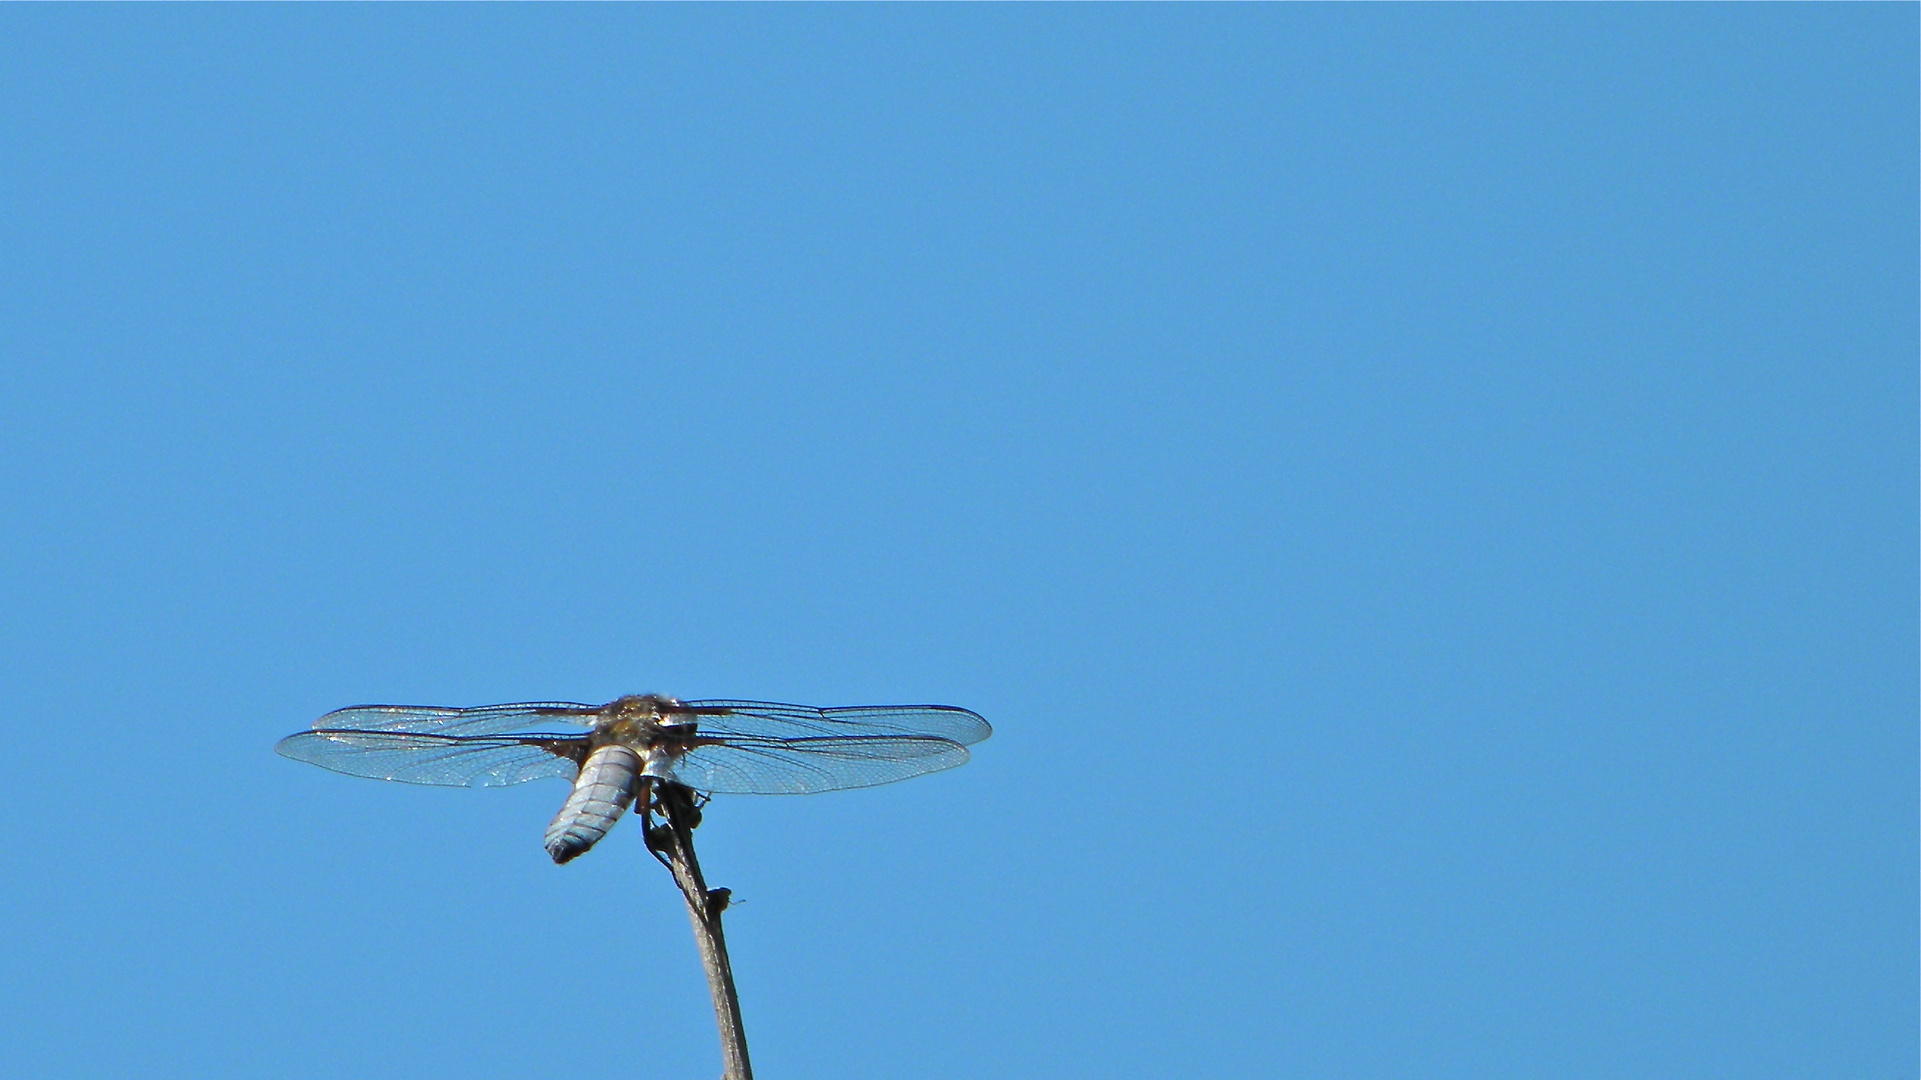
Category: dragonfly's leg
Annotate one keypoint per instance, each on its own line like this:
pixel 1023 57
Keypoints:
pixel 659 838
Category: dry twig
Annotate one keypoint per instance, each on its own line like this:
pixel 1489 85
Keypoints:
pixel 672 842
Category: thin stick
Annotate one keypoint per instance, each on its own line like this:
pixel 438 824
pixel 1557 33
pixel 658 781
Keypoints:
pixel 673 844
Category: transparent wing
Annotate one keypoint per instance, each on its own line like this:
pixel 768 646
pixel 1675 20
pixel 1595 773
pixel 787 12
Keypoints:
pixel 483 720
pixel 755 765
pixel 433 758
pixel 773 720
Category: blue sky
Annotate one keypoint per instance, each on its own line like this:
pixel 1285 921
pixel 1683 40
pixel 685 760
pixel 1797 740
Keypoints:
pixel 1426 496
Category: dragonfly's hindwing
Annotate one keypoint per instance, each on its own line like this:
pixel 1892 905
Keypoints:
pixel 602 792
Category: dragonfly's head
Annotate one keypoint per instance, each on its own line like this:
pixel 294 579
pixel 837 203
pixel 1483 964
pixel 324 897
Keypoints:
pixel 641 707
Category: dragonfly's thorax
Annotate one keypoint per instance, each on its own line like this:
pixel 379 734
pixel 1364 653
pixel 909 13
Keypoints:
pixel 649 723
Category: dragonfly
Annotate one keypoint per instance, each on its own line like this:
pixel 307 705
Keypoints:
pixel 611 752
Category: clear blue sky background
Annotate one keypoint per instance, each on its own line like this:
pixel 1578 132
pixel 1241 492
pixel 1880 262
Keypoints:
pixel 1426 495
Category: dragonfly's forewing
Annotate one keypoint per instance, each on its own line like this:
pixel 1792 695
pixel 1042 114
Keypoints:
pixel 771 748
pixel 755 765
pixel 562 716
pixel 490 746
pixel 774 720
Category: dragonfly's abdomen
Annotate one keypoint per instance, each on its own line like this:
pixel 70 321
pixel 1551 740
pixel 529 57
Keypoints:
pixel 602 792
